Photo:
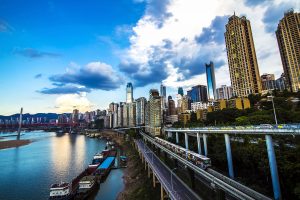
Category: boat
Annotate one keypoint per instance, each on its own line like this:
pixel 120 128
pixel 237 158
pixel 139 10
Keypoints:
pixel 103 170
pixel 86 186
pixel 99 158
pixel 61 191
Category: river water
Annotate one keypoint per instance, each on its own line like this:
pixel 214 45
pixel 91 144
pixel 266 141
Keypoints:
pixel 27 172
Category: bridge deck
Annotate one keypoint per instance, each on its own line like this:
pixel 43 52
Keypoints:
pixel 179 190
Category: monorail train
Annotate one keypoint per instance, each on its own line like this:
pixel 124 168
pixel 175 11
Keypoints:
pixel 199 160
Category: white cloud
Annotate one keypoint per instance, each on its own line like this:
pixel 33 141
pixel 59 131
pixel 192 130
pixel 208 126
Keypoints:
pixel 185 21
pixel 68 102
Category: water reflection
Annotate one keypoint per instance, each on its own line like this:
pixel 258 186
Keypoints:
pixel 28 171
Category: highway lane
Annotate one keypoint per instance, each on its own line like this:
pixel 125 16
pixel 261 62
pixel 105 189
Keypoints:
pixel 177 189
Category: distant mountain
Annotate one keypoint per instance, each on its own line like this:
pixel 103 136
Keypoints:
pixel 26 115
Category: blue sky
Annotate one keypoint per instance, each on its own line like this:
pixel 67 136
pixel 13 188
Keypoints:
pixel 55 55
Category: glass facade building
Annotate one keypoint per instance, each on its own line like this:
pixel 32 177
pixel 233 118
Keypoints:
pixel 129 93
pixel 211 81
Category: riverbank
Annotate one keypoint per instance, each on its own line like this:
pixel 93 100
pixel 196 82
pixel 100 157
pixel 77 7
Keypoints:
pixel 137 185
pixel 13 143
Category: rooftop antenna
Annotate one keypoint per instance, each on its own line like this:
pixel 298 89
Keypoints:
pixel 20 124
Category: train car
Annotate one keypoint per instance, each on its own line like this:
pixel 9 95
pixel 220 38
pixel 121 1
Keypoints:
pixel 199 160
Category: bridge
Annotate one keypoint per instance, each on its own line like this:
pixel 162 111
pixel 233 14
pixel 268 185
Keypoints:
pixel 229 186
pixel 268 131
pixel 171 185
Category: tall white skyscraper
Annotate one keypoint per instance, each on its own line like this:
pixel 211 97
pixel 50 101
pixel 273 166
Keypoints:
pixel 129 93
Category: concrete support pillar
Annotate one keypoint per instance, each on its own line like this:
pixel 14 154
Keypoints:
pixel 162 192
pixel 153 180
pixel 149 171
pixel 199 143
pixel 186 138
pixel 273 167
pixel 205 144
pixel 145 165
pixel 177 138
pixel 169 134
pixel 220 194
pixel 192 177
pixel 229 156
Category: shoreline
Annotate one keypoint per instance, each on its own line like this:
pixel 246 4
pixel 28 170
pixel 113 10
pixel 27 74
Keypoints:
pixel 136 186
pixel 13 143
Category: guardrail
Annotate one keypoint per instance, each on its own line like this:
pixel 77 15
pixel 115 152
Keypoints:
pixel 271 131
pixel 172 194
pixel 237 191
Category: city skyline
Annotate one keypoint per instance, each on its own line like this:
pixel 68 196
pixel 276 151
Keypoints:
pixel 60 61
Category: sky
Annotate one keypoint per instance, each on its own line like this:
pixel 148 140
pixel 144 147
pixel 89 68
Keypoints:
pixel 57 55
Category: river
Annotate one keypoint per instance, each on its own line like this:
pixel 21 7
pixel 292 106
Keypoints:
pixel 27 172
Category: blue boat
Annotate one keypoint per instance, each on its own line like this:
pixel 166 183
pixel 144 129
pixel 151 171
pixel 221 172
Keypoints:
pixel 105 167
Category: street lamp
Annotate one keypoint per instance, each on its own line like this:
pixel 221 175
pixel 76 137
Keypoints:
pixel 272 99
pixel 172 177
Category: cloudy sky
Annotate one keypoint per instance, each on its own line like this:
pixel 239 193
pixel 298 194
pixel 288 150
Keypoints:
pixel 56 55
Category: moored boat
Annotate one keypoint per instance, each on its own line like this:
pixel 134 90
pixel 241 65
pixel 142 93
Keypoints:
pixel 103 170
pixel 61 191
pixel 86 186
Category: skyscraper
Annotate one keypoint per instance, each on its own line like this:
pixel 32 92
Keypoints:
pixel 211 81
pixel 140 110
pixel 120 115
pixel 180 91
pixel 154 112
pixel 171 106
pixel 224 92
pixel 132 114
pixel 268 82
pixel 75 116
pixel 198 93
pixel 125 115
pixel 129 93
pixel 243 67
pixel 163 94
pixel 288 38
pixel 280 82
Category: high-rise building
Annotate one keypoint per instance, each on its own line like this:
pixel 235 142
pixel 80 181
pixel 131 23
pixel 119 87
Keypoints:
pixel 280 82
pixel 211 80
pixel 180 91
pixel 198 93
pixel 140 110
pixel 224 92
pixel 155 115
pixel 185 104
pixel 120 114
pixel 242 61
pixel 268 82
pixel 129 93
pixel 288 38
pixel 75 116
pixel 171 106
pixel 132 114
pixel 125 115
pixel 147 117
pixel 163 94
